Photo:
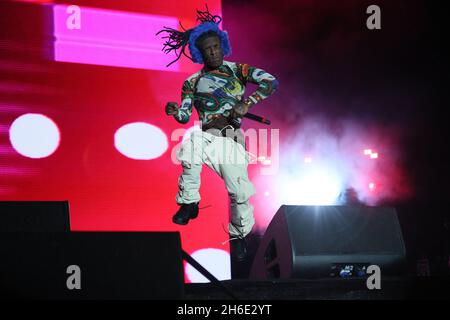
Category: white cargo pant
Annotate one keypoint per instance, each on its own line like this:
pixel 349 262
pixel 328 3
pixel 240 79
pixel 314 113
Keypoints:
pixel 230 160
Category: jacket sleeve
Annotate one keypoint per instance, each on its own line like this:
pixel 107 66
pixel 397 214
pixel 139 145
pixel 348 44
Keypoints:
pixel 267 83
pixel 187 101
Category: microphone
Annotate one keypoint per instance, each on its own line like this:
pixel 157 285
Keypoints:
pixel 235 123
pixel 257 118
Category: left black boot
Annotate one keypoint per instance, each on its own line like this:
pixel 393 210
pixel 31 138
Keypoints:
pixel 185 213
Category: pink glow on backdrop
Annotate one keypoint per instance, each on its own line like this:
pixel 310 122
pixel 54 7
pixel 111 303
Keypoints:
pixel 106 191
pixel 18 171
pixel 25 88
pixel 7 150
pixel 36 1
pixel 111 38
pixel 3 129
pixel 11 108
pixel 343 161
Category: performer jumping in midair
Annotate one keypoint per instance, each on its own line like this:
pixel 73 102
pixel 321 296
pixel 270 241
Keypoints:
pixel 217 92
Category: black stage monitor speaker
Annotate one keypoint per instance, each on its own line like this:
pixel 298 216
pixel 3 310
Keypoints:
pixel 34 216
pixel 91 265
pixel 330 241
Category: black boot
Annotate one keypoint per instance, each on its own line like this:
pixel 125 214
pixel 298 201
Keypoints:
pixel 186 212
pixel 238 248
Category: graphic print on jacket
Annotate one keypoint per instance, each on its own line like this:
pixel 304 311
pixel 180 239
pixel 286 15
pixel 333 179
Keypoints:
pixel 214 93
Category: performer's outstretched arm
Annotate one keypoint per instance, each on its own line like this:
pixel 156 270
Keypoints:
pixel 183 113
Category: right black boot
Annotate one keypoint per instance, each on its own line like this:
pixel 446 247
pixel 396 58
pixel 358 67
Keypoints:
pixel 238 249
pixel 185 213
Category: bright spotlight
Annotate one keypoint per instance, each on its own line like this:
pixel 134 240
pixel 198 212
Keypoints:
pixel 34 135
pixel 318 187
pixel 140 141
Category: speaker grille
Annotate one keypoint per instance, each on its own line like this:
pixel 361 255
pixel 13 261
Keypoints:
pixel 328 230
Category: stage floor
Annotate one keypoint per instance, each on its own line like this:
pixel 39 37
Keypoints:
pixel 408 288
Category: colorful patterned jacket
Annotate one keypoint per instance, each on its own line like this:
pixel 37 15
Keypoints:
pixel 214 93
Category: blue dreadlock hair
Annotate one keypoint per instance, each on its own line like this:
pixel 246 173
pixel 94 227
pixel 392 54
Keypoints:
pixel 178 40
